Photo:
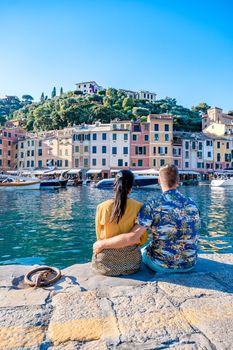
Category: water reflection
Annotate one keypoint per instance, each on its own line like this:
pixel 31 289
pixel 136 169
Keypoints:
pixel 57 227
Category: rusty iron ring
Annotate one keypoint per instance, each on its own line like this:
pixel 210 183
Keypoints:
pixel 41 280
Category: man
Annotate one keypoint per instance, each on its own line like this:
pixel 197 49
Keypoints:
pixel 173 220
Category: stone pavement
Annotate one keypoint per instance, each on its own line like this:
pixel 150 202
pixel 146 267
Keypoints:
pixel 142 311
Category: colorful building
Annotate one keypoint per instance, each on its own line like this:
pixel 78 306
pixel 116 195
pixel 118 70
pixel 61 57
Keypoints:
pixel 140 145
pixel 9 147
pixel 120 145
pixel 161 139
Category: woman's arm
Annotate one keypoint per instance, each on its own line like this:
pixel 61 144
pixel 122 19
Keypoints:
pixel 120 241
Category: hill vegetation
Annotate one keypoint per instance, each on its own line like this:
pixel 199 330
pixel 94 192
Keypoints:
pixel 73 108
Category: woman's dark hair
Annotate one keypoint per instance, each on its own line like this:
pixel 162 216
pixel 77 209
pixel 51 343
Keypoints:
pixel 122 186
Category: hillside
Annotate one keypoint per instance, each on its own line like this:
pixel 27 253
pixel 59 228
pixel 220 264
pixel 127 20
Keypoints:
pixel 75 108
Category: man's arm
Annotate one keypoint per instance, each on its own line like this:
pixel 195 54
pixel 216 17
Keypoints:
pixel 120 241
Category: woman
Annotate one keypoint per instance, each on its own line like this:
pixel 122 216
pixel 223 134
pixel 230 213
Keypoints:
pixel 114 217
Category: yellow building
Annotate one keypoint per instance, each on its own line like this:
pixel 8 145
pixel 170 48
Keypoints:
pixel 161 137
pixel 223 153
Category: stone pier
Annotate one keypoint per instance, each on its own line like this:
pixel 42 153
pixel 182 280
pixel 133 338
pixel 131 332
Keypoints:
pixel 142 311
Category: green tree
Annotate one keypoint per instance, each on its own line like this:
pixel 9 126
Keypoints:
pixel 128 103
pixel 42 97
pixel 27 98
pixel 139 111
pixel 201 107
pixel 54 93
pixel 61 91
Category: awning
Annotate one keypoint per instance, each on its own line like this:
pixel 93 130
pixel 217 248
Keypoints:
pixel 74 171
pixel 114 170
pixel 56 171
pixel 94 171
pixel 146 172
pixel 188 172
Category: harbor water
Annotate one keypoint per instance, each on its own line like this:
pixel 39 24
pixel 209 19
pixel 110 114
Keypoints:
pixel 57 227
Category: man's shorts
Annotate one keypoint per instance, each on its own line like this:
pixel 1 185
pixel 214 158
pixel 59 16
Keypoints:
pixel 156 267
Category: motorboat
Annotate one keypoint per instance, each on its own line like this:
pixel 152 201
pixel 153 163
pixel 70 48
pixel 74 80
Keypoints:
pixel 50 184
pixel 18 183
pixel 223 179
pixel 139 182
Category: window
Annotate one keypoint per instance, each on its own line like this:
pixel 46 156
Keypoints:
pixel 40 143
pixel 227 145
pixel 140 162
pixel 162 162
pixel 8 163
pixel 154 162
pixel 146 127
pixel 77 149
pixel 0 152
pixel 40 164
pixel 166 137
pixel 140 150
pixel 9 143
pixel 0 141
pixel 162 150
pixel 134 137
pixel 32 143
pixel 186 154
pixel 218 144
pixel 114 137
pixel 86 162
pixel 186 145
pixel 76 162
pixel 28 143
pixel 104 136
pixel 120 162
pixel 156 137
pixel 125 150
pixel 176 162
pixel 21 155
pixel 39 152
pixel 28 153
pixel 32 163
pixel 199 155
pixel 9 134
pixel 193 145
pixel 94 137
pixel 114 150
pixel 85 149
pixel 146 138
pixel 209 154
pixel 200 146
pixel 104 162
pixel 66 163
pixel 22 145
pixel 104 149
pixel 125 137
pixel 5 134
pixel 218 157
pixel 66 152
pixel 166 127
pixel 9 153
pixel 93 149
pixel 0 162
pixel 186 164
pixel 200 165
pixel 156 127
pixel 154 150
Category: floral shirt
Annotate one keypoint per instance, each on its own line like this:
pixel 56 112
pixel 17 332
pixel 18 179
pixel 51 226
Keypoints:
pixel 174 221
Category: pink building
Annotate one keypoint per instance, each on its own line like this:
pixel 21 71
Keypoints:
pixel 9 147
pixel 140 145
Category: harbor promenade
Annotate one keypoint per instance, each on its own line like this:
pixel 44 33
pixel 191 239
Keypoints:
pixel 143 311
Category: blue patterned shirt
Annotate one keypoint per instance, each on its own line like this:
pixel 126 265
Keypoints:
pixel 174 221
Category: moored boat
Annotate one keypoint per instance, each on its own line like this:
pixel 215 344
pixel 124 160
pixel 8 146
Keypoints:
pixel 139 182
pixel 19 183
pixel 224 179
pixel 50 184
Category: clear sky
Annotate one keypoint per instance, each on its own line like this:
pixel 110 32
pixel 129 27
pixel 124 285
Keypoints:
pixel 176 48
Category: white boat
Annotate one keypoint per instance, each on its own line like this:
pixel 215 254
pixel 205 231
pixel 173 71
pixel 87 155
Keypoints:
pixel 222 182
pixel 224 179
pixel 140 181
pixel 19 183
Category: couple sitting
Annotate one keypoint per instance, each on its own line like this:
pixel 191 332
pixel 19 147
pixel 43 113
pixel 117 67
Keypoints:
pixel 122 225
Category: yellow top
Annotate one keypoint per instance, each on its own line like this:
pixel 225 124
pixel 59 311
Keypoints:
pixel 105 229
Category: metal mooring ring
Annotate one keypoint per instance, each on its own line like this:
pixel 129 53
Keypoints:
pixel 41 279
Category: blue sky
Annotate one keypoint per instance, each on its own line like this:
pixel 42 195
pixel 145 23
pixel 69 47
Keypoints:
pixel 176 48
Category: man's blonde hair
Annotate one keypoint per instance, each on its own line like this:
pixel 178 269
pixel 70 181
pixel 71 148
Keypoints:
pixel 169 175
